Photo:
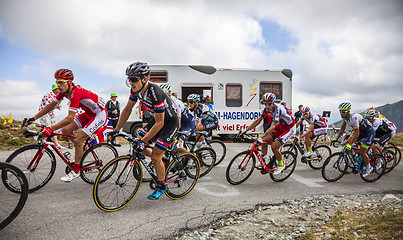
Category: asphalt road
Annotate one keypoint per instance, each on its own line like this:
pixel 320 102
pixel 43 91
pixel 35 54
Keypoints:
pixel 67 211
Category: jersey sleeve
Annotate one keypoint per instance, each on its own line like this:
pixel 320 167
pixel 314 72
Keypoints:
pixel 132 96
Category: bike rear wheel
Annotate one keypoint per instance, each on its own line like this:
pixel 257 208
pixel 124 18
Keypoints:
pixel 120 187
pixel 378 162
pixel 182 175
pixel 37 176
pixel 220 150
pixel 207 158
pixel 320 154
pixel 240 167
pixel 101 154
pixel 290 147
pixel 396 151
pixel 334 167
pixel 11 203
pixel 290 161
pixel 390 158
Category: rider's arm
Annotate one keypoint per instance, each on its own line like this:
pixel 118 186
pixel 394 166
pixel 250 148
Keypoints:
pixel 255 123
pixel 310 128
pixel 49 107
pixel 159 123
pixel 341 131
pixel 353 137
pixel 299 122
pixel 273 125
pixel 125 114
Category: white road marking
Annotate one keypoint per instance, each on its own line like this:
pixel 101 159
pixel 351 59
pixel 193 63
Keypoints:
pixel 220 190
pixel 310 182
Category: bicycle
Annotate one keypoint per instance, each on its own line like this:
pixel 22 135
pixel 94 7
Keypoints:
pixel 240 168
pixel 389 156
pixel 11 203
pixel 315 161
pixel 392 147
pixel 336 165
pixel 122 178
pixel 38 161
pixel 217 145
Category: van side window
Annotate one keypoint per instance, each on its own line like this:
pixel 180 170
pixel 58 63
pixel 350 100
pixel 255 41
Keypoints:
pixel 273 87
pixel 233 95
pixel 159 76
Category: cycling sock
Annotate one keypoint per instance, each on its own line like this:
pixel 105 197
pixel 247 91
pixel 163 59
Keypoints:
pixel 76 168
pixel 161 185
pixel 310 149
pixel 281 163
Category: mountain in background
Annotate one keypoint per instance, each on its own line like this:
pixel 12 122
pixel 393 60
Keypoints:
pixel 393 112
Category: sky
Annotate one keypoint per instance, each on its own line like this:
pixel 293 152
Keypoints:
pixel 346 50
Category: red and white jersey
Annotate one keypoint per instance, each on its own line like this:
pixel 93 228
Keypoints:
pixel 48 98
pixel 82 98
pixel 282 115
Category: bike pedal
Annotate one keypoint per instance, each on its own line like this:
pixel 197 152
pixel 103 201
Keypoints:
pixel 262 171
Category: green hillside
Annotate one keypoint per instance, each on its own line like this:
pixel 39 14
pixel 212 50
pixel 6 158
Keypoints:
pixel 393 112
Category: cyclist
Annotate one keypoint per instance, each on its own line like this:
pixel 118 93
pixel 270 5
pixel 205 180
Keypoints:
pixel 317 127
pixel 362 129
pixel 163 124
pixel 186 120
pixel 93 118
pixel 267 119
pixel 384 129
pixel 281 129
pixel 206 119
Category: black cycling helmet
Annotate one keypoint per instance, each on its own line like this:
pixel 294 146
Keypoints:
pixel 138 69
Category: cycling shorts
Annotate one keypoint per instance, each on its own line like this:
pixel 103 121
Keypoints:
pixel 386 137
pixel 165 136
pixel 283 132
pixel 91 123
pixel 368 135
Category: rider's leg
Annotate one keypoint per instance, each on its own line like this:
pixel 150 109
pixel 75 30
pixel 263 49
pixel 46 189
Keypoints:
pixel 308 142
pixel 156 157
pixel 79 149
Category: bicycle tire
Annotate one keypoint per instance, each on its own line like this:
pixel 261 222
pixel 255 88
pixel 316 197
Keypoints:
pixel 390 158
pixel 9 211
pixel 207 158
pixel 242 166
pixel 220 150
pixel 111 195
pixel 43 172
pixel 377 172
pixel 290 147
pixel 320 154
pixel 182 175
pixel 335 167
pixel 101 154
pixel 290 161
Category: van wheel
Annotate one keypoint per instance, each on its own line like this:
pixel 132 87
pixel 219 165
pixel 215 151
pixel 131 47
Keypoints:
pixel 135 129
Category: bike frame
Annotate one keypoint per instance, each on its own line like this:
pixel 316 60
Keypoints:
pixel 255 151
pixel 48 143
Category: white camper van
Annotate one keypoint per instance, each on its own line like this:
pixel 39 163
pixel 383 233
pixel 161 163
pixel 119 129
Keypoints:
pixel 235 93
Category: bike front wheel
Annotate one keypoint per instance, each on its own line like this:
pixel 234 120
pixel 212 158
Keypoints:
pixel 38 167
pixel 207 158
pixel 94 159
pixel 182 175
pixel 121 185
pixel 334 167
pixel 320 154
pixel 290 161
pixel 240 167
pixel 11 203
pixel 220 150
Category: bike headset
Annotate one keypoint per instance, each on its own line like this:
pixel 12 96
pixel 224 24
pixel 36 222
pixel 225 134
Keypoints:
pixel 138 69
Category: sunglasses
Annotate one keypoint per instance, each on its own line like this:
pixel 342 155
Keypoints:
pixel 133 79
pixel 369 118
pixel 343 111
pixel 61 82
pixel 190 102
pixel 268 104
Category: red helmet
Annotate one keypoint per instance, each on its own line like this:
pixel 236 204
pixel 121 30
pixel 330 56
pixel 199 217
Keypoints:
pixel 268 98
pixel 64 73
pixel 305 109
